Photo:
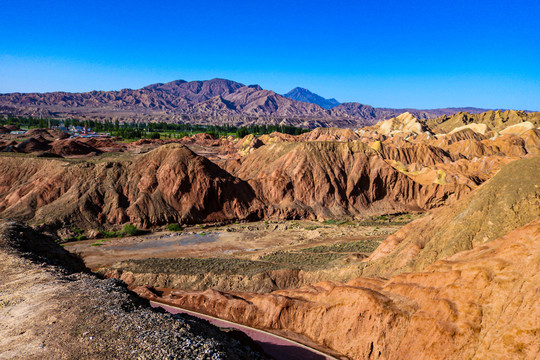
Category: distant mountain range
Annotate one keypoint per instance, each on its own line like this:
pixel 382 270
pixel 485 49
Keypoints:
pixel 304 95
pixel 211 102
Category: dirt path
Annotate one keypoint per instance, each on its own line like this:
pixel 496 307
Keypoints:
pixel 276 346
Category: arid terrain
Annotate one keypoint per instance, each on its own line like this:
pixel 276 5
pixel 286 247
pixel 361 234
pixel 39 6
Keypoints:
pixel 414 237
pixel 52 308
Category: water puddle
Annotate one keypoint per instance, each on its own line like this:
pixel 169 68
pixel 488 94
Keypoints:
pixel 164 242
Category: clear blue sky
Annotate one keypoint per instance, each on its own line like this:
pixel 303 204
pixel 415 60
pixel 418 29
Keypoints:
pixel 422 54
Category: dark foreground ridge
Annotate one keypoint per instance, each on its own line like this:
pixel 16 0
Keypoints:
pixel 52 308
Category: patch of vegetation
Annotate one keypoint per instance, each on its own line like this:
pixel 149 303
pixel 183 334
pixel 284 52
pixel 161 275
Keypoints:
pixel 336 222
pixel 131 230
pixel 111 234
pixel 367 245
pixel 194 266
pixel 302 260
pixel 127 230
pixel 174 227
pixel 143 130
pixel 76 230
pixel 390 220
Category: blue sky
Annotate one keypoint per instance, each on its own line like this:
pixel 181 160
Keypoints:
pixel 422 54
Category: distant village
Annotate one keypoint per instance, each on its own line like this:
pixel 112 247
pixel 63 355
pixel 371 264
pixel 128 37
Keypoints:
pixel 74 131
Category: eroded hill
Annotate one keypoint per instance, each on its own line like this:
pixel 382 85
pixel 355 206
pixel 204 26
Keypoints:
pixel 472 292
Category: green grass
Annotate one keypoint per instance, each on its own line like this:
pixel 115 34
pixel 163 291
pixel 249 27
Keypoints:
pixel 110 234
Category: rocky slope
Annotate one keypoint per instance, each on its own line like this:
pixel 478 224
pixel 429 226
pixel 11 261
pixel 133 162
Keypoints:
pixel 508 201
pixel 404 123
pixel 472 292
pixel 50 308
pixel 368 115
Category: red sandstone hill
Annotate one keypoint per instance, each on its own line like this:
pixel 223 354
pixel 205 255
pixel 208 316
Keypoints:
pixel 508 201
pixel 173 184
pixel 327 179
pixel 170 184
pixel 351 175
pixel 473 292
pixel 477 304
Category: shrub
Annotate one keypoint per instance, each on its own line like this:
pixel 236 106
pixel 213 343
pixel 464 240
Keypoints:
pixel 131 230
pixel 110 234
pixel 174 227
pixel 336 222
pixel 76 230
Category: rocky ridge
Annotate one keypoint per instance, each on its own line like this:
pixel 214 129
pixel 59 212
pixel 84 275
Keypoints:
pixel 50 308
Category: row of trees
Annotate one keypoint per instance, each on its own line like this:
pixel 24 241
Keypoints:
pixel 150 130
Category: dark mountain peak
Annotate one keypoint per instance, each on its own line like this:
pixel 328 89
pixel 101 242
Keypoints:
pixel 255 86
pixel 299 89
pixel 304 95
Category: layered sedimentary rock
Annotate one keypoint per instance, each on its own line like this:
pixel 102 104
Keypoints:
pixel 472 293
pixel 510 200
pixel 334 179
pixel 325 173
pixel 494 120
pixel 404 123
pixel 170 184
